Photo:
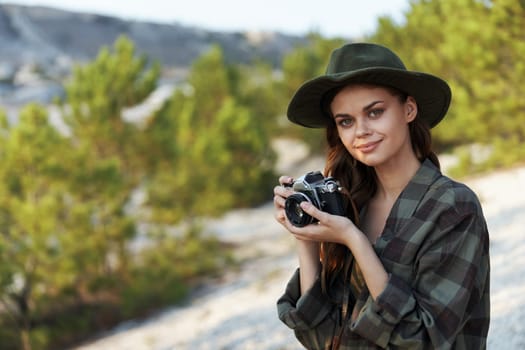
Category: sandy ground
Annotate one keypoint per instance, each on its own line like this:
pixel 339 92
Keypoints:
pixel 238 312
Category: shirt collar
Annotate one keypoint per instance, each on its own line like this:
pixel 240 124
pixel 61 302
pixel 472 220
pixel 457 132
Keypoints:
pixel 411 196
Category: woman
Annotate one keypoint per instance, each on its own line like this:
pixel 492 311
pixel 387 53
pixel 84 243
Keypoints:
pixel 412 269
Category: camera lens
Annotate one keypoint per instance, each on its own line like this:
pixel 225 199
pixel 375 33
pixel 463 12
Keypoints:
pixel 294 212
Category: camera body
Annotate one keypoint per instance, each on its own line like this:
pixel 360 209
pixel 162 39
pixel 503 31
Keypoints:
pixel 322 192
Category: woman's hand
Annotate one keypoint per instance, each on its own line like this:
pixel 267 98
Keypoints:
pixel 280 193
pixel 307 250
pixel 330 228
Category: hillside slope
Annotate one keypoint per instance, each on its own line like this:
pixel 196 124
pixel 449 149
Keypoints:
pixel 46 35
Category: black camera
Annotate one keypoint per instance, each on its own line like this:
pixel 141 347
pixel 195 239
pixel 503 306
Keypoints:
pixel 323 192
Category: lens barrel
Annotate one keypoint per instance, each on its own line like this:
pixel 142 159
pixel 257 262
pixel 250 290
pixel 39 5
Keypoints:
pixel 295 213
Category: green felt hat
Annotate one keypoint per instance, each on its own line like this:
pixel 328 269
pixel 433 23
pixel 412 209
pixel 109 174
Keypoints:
pixel 368 64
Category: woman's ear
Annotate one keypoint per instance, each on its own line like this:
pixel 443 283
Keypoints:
pixel 410 109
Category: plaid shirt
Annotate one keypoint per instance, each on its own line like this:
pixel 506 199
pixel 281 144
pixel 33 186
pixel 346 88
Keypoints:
pixel 435 247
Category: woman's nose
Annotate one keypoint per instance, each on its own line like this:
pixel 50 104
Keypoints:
pixel 362 128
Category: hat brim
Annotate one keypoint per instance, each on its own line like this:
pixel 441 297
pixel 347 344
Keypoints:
pixel 431 93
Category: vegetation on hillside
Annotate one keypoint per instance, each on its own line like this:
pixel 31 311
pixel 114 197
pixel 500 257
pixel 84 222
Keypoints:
pixel 79 252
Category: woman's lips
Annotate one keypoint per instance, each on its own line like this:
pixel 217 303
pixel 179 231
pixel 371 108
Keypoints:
pixel 368 147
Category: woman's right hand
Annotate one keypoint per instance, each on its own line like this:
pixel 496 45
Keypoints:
pixel 280 193
pixel 307 251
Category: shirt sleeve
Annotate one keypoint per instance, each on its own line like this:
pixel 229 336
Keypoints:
pixel 312 316
pixel 450 276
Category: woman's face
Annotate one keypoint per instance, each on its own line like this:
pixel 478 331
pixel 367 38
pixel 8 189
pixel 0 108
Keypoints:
pixel 373 124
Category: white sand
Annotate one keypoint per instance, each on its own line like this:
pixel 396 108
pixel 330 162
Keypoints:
pixel 239 311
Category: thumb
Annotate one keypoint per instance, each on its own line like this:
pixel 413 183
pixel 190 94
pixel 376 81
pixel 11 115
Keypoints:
pixel 311 210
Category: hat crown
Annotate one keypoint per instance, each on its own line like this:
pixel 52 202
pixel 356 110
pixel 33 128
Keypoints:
pixel 353 57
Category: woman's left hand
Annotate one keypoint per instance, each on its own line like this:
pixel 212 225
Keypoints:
pixel 329 228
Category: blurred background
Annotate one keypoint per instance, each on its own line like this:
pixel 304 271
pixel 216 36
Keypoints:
pixel 140 142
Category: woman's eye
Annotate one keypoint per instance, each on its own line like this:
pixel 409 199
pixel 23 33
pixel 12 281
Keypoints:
pixel 345 122
pixel 375 113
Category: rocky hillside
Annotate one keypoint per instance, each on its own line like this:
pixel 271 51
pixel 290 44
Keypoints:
pixel 42 34
pixel 38 46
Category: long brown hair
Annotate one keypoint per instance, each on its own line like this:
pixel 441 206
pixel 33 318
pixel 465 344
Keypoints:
pixel 360 180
